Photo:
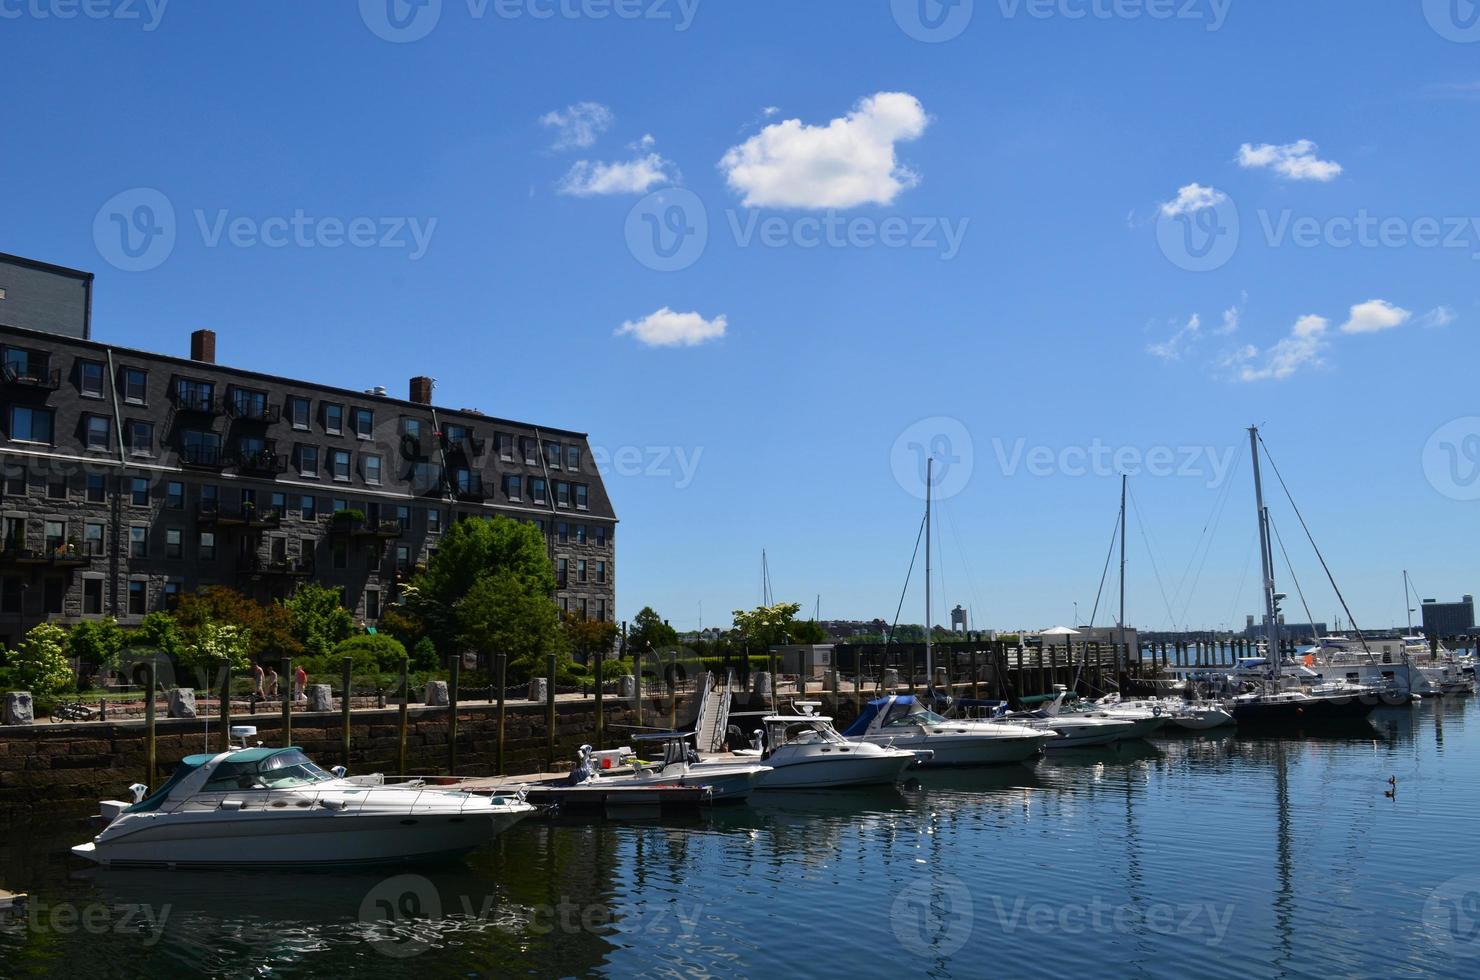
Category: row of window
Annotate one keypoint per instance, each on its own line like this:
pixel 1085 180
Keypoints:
pixel 584 571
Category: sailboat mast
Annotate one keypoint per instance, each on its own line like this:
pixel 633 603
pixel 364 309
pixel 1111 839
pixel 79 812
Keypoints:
pixel 1120 638
pixel 929 653
pixel 1406 600
pixel 1266 563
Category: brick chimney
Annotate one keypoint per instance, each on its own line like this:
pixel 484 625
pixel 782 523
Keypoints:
pixel 421 390
pixel 203 346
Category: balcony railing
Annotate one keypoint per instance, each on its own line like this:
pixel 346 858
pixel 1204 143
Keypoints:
pixel 356 525
pixel 264 463
pixel 469 488
pixel 295 567
pixel 32 376
pixel 194 400
pixel 417 447
pixel 252 411
pixel 468 447
pixel 204 457
pixel 215 514
pixel 57 556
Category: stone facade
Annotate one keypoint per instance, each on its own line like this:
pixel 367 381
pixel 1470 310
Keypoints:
pixel 132 477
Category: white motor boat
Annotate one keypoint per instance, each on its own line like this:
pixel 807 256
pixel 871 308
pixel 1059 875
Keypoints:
pixel 902 722
pixel 263 807
pixel 1196 716
pixel 806 752
pixel 681 766
pixel 1074 730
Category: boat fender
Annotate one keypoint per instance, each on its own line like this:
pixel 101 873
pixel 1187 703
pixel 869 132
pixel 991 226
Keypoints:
pixel 333 804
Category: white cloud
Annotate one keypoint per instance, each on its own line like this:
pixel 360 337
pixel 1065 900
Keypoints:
pixel 1193 198
pixel 1374 316
pixel 1230 322
pixel 846 163
pixel 1301 348
pixel 666 328
pixel 1173 347
pixel 588 178
pixel 1295 161
pixel 578 126
pixel 1439 316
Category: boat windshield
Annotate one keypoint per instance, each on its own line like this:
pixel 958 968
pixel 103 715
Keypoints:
pixel 281 770
pixel 918 715
pixel 803 732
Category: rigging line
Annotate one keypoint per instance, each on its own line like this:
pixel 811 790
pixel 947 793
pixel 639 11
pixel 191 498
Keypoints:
pixel 1141 522
pixel 1243 577
pixel 965 561
pixel 1309 617
pixel 1105 574
pixel 1208 549
pixel 1311 538
pixel 889 640
pixel 941 578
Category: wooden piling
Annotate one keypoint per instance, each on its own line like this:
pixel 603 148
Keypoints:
pixel 454 669
pixel 224 712
pixel 345 709
pixel 600 707
pixel 499 672
pixel 286 680
pixel 405 720
pixel 550 713
pixel 151 752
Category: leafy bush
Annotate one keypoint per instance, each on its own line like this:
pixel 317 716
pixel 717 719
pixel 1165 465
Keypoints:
pixel 424 655
pixel 320 621
pixel 378 652
pixel 217 646
pixel 96 642
pixel 39 664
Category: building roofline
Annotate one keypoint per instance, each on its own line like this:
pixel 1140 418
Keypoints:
pixel 40 266
pixel 186 362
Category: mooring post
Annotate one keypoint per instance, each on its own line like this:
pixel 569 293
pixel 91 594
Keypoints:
pixel 454 668
pixel 673 691
pixel 502 662
pixel 224 712
pixel 405 714
pixel 153 757
pixel 549 712
pixel 286 680
pixel 600 709
pixel 344 709
pixel 976 674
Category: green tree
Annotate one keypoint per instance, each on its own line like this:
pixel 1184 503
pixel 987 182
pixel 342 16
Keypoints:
pixel 808 631
pixel 39 664
pixel 159 631
pixel 217 645
pixel 768 625
pixel 269 628
pixel 649 631
pixel 96 642
pixel 502 614
pixel 587 638
pixel 424 655
pixel 319 619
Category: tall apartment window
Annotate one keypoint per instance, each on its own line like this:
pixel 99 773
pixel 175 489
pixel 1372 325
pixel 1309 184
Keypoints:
pixel 135 386
pixel 56 536
pixel 552 455
pixel 582 496
pixel 54 589
pixel 308 461
pixel 403 557
pixel 97 433
pixel 434 521
pixel 581 607
pixel 580 534
pixel 171 594
pixel 92 539
pixel 601 573
pixel 530 450
pixel 562 572
pixel 138 541
pixel 92 597
pixel 174 495
pixel 56 487
pixel 26 365
pixel 562 532
pixel 465 481
pixel 537 490
pixel 140 437
pixel 505 446
pixel 372 603
pixel 279 502
pixel 601 533
pixel 197 396
pixel 203 448
pixel 309 508
pixel 339 464
pixel 248 404
pixel 572 457
pixel 564 604
pixel 298 412
pixel 29 424
pixel 205 546
pixel 138 488
pixel 511 486
pixel 581 570
pixel 562 493
pixel 371 464
pixel 364 422
pixel 333 419
pixel 90 379
pixel 403 516
pixel 15 481
pixel 138 598
pixel 97 488
pixel 210 496
pixel 174 543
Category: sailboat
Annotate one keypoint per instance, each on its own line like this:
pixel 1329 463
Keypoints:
pixel 1274 706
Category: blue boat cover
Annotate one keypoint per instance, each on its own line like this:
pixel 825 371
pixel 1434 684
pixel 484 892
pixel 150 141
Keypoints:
pixel 871 711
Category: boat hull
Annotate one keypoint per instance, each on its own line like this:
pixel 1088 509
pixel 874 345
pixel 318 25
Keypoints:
pixel 968 749
pixel 1305 713
pixel 836 772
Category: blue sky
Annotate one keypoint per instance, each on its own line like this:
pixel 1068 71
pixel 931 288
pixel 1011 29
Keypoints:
pixel 1004 280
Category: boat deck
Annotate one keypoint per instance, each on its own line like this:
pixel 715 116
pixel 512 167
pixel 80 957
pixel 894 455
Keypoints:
pixel 547 788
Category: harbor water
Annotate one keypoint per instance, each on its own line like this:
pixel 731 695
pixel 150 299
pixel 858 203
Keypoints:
pixel 1201 855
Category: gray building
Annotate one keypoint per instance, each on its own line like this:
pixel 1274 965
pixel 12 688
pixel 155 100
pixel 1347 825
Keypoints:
pixel 132 477
pixel 1448 618
pixel 39 296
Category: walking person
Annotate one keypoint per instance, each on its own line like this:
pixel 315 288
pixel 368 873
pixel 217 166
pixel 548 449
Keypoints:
pixel 272 681
pixel 257 681
pixel 300 684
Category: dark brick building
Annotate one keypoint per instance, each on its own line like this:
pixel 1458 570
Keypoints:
pixel 131 477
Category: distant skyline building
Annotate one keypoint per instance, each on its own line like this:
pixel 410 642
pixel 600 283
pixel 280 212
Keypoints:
pixel 1448 618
